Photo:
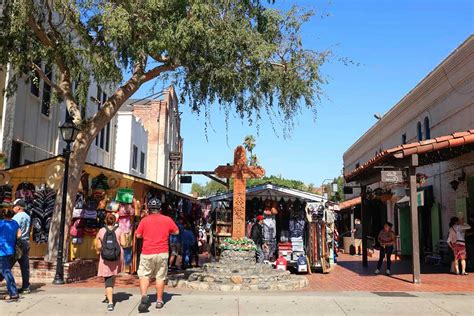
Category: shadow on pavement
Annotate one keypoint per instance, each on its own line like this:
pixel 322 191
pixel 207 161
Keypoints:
pixel 121 297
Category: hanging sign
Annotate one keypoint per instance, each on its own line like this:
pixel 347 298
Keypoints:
pixel 175 156
pixel 392 176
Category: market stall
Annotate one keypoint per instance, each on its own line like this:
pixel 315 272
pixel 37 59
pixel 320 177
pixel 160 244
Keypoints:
pixel 101 190
pixel 296 223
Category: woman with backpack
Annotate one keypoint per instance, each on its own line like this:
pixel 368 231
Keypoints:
pixel 110 241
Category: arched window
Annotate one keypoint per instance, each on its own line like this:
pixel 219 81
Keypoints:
pixel 419 132
pixel 427 128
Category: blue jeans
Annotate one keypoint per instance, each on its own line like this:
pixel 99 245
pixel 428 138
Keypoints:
pixel 259 253
pixel 5 263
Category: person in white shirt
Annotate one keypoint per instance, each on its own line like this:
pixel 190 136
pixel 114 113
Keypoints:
pixel 456 241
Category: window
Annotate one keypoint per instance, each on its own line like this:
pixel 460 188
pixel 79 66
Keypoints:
pixel 107 137
pixel 427 128
pixel 404 139
pixel 357 165
pixel 15 154
pixel 419 132
pixel 134 157
pixel 46 101
pixel 35 82
pixel 142 162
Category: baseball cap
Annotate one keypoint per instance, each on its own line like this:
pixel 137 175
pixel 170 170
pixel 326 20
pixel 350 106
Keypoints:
pixel 259 217
pixel 19 202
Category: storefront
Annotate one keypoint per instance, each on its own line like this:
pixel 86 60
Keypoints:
pixel 101 190
pixel 296 223
pixel 430 184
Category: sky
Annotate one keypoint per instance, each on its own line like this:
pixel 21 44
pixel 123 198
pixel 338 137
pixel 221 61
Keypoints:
pixel 395 44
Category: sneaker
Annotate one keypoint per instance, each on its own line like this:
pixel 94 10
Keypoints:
pixel 24 291
pixel 143 306
pixel 388 272
pixel 159 305
pixel 110 307
pixel 377 271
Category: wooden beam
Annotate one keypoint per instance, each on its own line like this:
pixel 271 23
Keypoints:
pixel 414 221
pixel 365 226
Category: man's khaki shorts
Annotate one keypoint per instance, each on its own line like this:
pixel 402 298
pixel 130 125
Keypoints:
pixel 153 266
pixel 357 243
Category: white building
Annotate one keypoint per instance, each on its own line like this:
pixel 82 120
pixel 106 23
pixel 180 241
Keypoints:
pixel 29 124
pixel 131 145
pixel 441 104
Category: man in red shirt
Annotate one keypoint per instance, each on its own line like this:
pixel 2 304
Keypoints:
pixel 155 230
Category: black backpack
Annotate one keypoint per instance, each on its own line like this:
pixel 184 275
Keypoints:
pixel 110 247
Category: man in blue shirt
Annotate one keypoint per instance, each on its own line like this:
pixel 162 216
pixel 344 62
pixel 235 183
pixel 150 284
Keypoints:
pixel 24 222
pixel 9 233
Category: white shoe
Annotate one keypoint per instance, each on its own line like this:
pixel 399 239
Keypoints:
pixel 377 271
pixel 388 272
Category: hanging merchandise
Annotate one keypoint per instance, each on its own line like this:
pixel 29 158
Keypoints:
pixel 6 193
pixel 77 228
pixel 100 183
pixel 41 214
pixel 124 195
pixel 269 236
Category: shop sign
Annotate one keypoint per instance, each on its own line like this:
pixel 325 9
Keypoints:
pixel 186 179
pixel 392 176
pixel 175 156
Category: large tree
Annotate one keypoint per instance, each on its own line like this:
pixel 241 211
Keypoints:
pixel 243 55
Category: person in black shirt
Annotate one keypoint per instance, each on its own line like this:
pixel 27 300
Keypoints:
pixel 357 237
pixel 256 235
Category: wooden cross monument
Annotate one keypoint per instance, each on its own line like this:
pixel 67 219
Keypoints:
pixel 240 172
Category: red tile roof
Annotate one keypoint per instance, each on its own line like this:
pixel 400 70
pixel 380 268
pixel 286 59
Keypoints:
pixel 423 147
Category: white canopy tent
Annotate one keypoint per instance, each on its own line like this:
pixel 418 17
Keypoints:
pixel 270 190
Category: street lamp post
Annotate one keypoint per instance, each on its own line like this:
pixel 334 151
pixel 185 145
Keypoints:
pixel 68 133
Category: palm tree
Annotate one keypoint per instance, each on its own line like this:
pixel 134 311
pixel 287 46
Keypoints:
pixel 249 143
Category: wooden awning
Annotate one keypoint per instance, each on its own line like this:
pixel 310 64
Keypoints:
pixel 429 151
pixel 116 173
pixel 350 203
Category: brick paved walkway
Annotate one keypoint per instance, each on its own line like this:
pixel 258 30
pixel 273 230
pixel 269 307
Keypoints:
pixel 349 275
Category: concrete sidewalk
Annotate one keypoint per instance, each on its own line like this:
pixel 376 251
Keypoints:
pixel 51 301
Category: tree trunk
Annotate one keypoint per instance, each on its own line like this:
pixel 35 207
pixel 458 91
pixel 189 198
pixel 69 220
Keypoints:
pixel 80 149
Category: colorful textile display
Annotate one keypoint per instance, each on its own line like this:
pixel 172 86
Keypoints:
pixel 41 214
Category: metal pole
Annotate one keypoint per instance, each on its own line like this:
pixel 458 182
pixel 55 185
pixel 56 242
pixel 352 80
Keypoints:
pixel 365 227
pixel 59 277
pixel 414 222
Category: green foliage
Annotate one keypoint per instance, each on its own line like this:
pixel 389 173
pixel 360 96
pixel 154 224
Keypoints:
pixel 244 55
pixel 210 188
pixel 279 180
pixel 337 196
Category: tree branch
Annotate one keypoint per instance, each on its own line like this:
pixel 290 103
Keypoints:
pixel 155 72
pixel 45 77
